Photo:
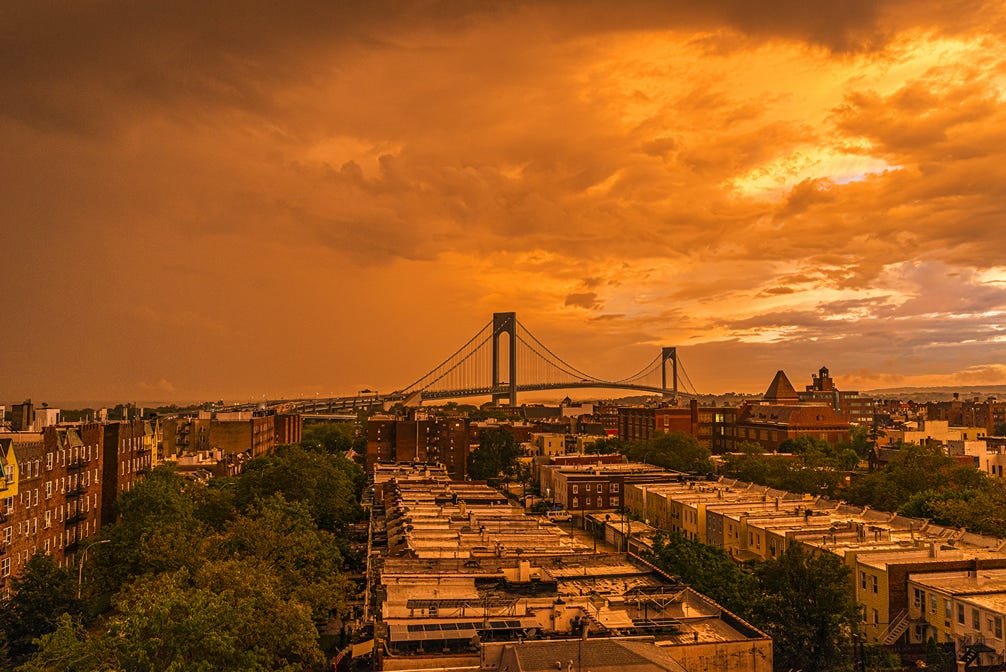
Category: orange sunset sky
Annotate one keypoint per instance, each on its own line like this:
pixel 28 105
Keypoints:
pixel 230 200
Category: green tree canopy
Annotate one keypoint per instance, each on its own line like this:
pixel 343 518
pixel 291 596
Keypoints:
pixel 673 450
pixel 333 438
pixel 39 596
pixel 158 530
pixel 327 484
pixel 913 469
pixel 225 616
pixel 807 607
pixel 802 600
pixel 281 537
pixel 496 455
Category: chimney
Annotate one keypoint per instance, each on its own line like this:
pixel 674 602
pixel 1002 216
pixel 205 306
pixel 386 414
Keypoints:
pixel 934 549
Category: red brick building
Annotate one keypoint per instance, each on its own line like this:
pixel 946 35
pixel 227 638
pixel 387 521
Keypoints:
pixel 126 457
pixel 853 406
pixel 59 496
pixel 427 439
pixel 591 487
pixel 781 416
pixel 709 424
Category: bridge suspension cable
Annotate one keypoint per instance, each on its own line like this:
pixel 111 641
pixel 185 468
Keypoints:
pixel 522 356
pixel 473 349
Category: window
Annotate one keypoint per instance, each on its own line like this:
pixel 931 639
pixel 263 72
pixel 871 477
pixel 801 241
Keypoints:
pixel 862 580
pixel 876 617
pixel 576 501
pixel 5 567
pixel 999 627
pixel 48 519
pixel 874 579
pixel 587 501
pixel 48 461
pixel 918 599
pixel 947 609
pixel 614 487
pixel 576 489
pixel 587 487
pixel 932 604
pixel 48 489
pixel 614 501
pixel 960 614
pixel 8 534
pixel 976 620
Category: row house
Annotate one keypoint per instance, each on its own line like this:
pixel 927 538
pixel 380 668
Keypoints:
pixel 882 550
pixel 592 487
pixel 966 608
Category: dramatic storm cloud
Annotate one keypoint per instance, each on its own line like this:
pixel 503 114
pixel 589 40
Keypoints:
pixel 317 197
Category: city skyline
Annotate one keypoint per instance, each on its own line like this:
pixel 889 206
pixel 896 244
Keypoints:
pixel 320 198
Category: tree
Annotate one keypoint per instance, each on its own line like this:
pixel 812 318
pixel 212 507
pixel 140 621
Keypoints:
pixel 333 438
pixel 496 455
pixel 40 595
pixel 807 608
pixel 158 530
pixel 914 469
pixel 673 450
pixel 605 446
pixel 226 616
pixel 328 485
pixel 281 537
pixel 708 569
pixel 68 649
pixel 803 601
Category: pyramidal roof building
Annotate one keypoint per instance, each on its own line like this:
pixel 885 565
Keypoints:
pixel 781 391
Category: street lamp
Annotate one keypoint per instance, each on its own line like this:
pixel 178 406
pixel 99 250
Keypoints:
pixel 80 564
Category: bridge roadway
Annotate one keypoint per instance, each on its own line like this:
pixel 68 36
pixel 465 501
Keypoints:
pixel 334 404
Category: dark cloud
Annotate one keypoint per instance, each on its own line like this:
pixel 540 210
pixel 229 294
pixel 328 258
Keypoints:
pixel 586 300
pixel 680 165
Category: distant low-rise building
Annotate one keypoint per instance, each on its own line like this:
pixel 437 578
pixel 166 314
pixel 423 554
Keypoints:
pixel 238 436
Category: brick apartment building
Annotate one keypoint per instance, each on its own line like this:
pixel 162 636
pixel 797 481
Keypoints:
pixel 58 498
pixel 711 425
pixel 128 454
pixel 60 486
pixel 429 439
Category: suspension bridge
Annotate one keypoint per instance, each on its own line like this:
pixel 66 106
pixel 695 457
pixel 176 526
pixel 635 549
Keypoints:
pixel 501 360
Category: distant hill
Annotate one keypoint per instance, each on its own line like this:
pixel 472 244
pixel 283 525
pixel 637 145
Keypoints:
pixel 943 393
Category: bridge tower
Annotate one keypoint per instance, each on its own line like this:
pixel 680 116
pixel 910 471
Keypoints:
pixel 669 353
pixel 505 323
